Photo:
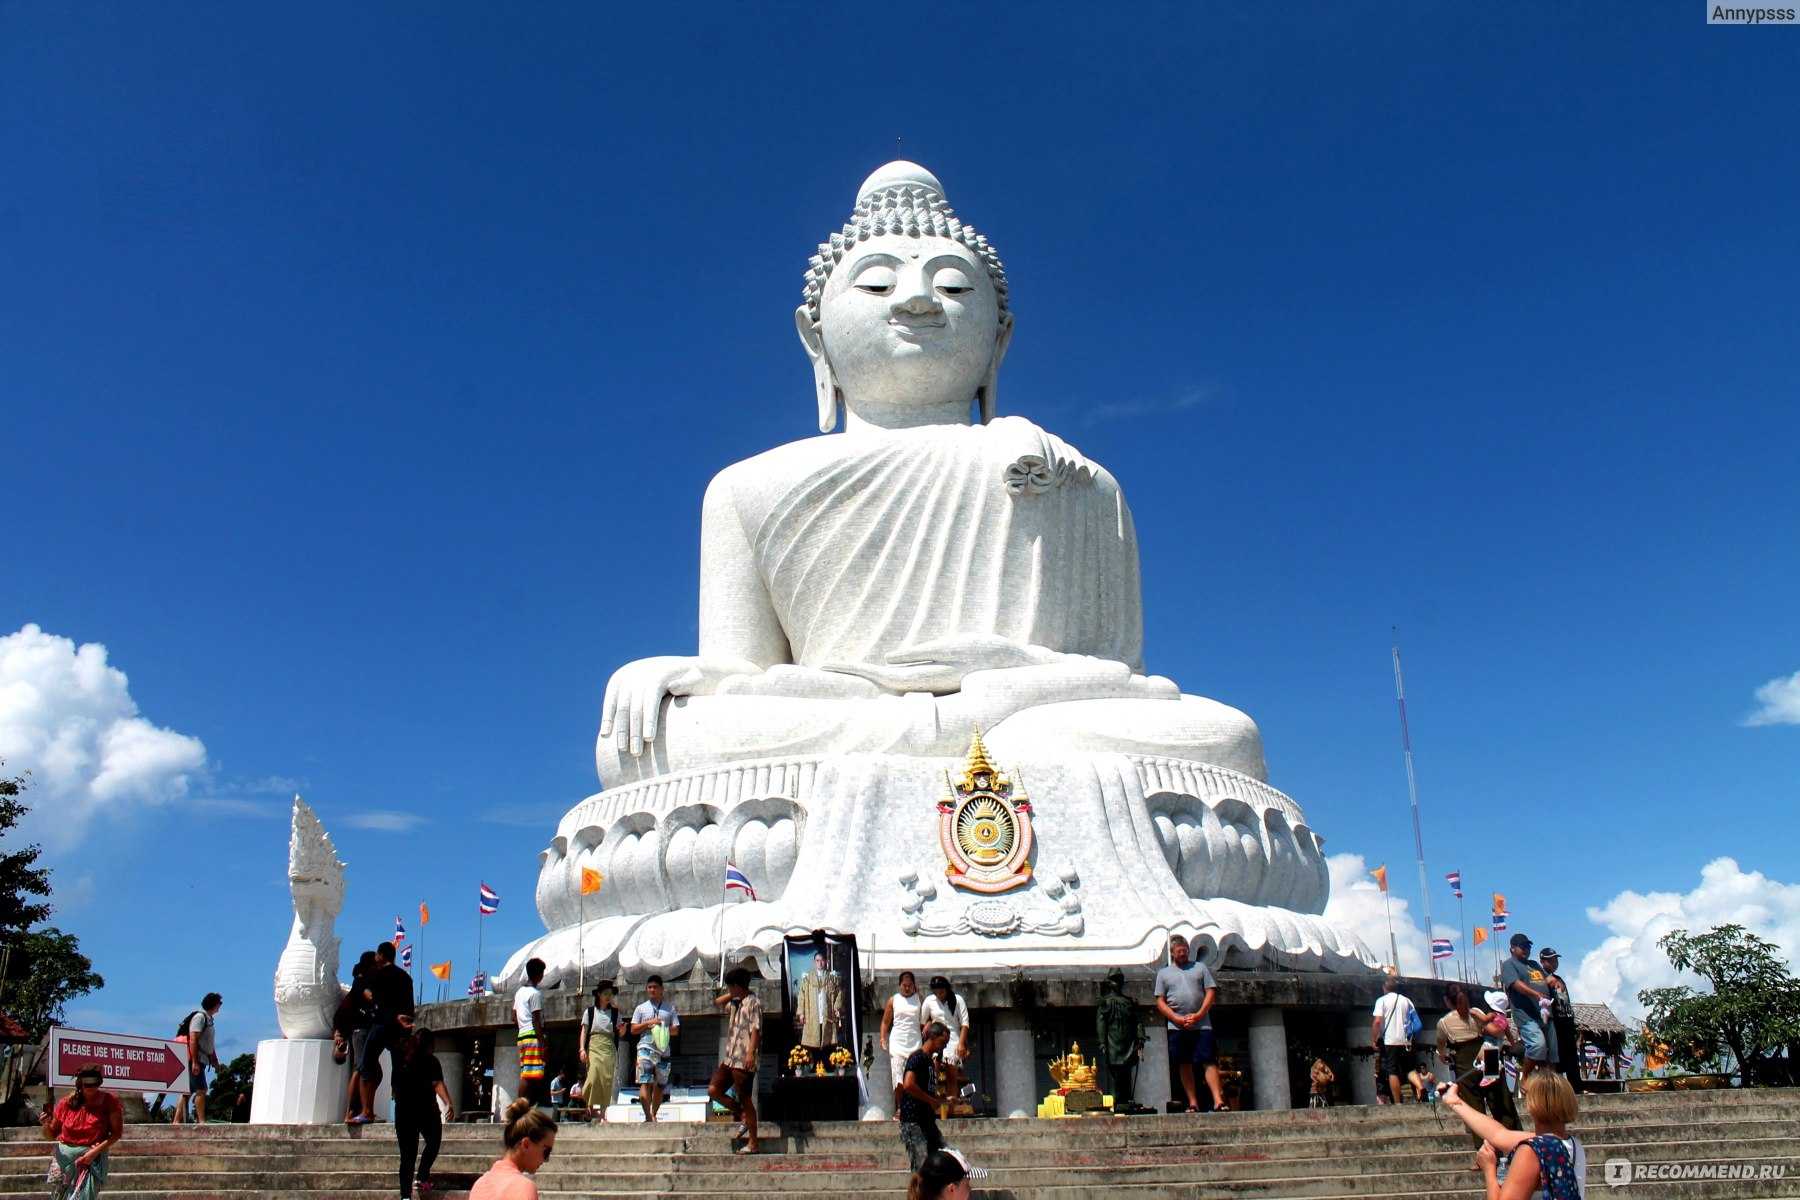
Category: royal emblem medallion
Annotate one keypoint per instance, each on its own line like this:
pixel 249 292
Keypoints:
pixel 984 823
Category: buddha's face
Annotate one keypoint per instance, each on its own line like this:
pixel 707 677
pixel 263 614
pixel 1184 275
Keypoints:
pixel 909 322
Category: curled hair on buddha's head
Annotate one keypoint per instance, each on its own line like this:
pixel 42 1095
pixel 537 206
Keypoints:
pixel 901 198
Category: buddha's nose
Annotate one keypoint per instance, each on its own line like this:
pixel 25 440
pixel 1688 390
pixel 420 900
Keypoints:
pixel 913 296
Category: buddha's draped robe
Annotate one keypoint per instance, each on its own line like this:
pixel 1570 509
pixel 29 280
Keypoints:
pixel 916 536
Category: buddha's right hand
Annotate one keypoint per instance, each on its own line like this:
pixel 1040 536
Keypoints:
pixel 635 693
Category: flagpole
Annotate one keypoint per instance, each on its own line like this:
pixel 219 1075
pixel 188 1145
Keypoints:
pixel 480 927
pixel 1412 789
pixel 1393 946
pixel 423 962
pixel 581 943
pixel 724 898
pixel 1463 923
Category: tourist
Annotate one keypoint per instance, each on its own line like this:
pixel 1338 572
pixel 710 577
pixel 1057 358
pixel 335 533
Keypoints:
pixel 529 1138
pixel 1185 994
pixel 528 1016
pixel 743 1038
pixel 1322 1077
pixel 418 1086
pixel 1562 1020
pixel 942 1176
pixel 1118 1033
pixel 559 1090
pixel 948 1009
pixel 902 1029
pixel 1391 1033
pixel 198 1032
pixel 1525 985
pixel 389 992
pixel 919 1097
pixel 1424 1083
pixel 600 1028
pixel 1550 1162
pixel 1463 1034
pixel 653 1023
pixel 85 1126
pixel 350 1030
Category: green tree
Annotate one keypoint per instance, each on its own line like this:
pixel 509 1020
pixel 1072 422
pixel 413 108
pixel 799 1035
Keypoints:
pixel 238 1075
pixel 45 967
pixel 1749 1018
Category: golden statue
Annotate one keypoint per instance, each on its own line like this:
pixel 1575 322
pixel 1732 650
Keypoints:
pixel 1072 1074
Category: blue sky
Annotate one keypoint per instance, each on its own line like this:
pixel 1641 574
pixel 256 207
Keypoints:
pixel 363 375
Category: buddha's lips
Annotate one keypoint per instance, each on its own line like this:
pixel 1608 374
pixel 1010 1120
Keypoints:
pixel 905 326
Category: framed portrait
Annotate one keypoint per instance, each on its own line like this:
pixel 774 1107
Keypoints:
pixel 819 980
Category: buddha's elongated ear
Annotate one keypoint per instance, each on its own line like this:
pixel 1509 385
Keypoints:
pixel 824 382
pixel 989 391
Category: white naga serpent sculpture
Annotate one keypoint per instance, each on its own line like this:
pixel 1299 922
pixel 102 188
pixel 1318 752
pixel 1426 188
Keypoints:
pixel 306 976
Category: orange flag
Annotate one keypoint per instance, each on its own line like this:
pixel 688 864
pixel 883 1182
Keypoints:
pixel 441 970
pixel 1480 934
pixel 591 881
pixel 1499 903
pixel 424 914
pixel 1380 874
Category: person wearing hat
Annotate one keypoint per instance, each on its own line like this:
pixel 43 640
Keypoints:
pixel 1118 1034
pixel 601 1027
pixel 1562 1019
pixel 1529 990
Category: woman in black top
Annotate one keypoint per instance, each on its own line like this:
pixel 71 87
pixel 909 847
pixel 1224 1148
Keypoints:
pixel 418 1082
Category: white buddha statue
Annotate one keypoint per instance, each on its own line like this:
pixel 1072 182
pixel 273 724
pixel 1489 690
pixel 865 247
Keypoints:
pixel 891 587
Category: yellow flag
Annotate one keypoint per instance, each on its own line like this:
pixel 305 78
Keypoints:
pixel 1480 935
pixel 591 881
pixel 1499 903
pixel 441 970
pixel 424 914
pixel 1380 874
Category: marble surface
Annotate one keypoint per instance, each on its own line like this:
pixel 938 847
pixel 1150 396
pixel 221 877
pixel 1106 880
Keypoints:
pixel 870 599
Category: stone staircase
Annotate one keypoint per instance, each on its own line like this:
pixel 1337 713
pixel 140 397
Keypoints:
pixel 1337 1153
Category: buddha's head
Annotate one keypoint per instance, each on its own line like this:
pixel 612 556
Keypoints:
pixel 905 317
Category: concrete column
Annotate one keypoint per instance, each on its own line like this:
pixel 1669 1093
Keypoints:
pixel 452 1063
pixel 1362 1066
pixel 1269 1059
pixel 880 1081
pixel 506 1069
pixel 1014 1064
pixel 1153 1066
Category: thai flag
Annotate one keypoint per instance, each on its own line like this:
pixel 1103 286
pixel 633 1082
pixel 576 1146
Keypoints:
pixel 490 901
pixel 478 985
pixel 406 957
pixel 1499 922
pixel 399 934
pixel 1455 878
pixel 1442 948
pixel 737 881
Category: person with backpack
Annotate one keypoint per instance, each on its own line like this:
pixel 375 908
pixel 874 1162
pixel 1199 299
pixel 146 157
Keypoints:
pixel 202 1052
pixel 1550 1162
pixel 602 1025
pixel 1391 1032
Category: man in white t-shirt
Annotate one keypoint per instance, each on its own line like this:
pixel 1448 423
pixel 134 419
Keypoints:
pixel 652 1057
pixel 1390 1037
pixel 528 1015
pixel 902 1029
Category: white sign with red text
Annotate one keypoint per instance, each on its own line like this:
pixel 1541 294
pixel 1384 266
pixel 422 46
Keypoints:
pixel 127 1062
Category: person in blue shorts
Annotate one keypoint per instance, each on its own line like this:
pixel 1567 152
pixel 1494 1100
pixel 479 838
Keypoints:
pixel 1185 994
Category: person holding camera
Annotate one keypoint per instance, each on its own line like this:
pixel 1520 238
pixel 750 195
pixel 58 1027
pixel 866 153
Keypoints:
pixel 85 1127
pixel 1469 1041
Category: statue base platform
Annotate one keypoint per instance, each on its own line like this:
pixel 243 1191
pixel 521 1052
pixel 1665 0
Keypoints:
pixel 298 1084
pixel 1124 850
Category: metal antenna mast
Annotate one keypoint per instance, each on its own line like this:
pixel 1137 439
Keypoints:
pixel 1412 789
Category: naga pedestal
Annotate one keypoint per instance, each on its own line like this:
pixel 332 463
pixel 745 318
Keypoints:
pixel 298 1084
pixel 1090 861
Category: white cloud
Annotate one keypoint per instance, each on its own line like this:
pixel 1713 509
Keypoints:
pixel 1629 959
pixel 383 820
pixel 1780 700
pixel 1356 905
pixel 68 718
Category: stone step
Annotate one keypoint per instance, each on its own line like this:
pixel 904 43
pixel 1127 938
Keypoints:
pixel 879 1150
pixel 796 1175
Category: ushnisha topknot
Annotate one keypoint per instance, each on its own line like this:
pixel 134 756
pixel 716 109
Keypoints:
pixel 900 198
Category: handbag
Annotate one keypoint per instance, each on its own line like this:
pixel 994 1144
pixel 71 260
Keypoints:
pixel 1414 1026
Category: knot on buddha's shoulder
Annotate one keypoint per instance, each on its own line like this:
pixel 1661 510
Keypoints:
pixel 1044 461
